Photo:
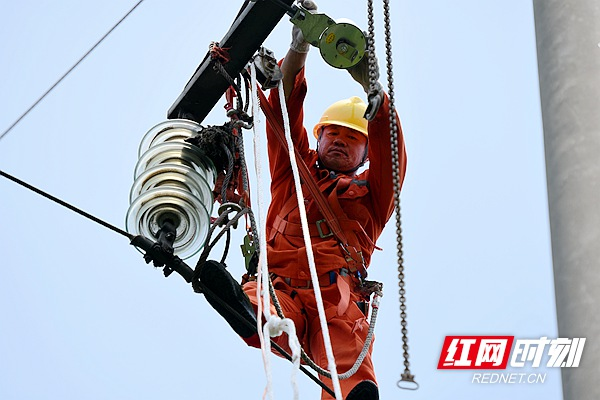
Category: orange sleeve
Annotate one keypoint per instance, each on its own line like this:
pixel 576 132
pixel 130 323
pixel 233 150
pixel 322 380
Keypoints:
pixel 279 159
pixel 380 162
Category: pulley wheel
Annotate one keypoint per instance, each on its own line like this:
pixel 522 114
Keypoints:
pixel 342 45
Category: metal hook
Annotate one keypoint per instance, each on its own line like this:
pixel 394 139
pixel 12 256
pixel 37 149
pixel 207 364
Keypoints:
pixel 407 382
pixel 227 208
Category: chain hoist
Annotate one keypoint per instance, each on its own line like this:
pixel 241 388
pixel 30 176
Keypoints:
pixel 407 380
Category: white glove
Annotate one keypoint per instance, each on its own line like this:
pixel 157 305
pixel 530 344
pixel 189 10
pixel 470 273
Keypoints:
pixel 298 44
pixel 360 73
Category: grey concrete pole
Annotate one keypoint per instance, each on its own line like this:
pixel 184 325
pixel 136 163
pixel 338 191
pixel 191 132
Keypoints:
pixel 568 37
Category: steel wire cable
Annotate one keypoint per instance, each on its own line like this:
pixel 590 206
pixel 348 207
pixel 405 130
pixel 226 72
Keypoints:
pixel 67 205
pixel 199 284
pixel 68 71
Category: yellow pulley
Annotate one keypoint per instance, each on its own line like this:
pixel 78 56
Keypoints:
pixel 341 43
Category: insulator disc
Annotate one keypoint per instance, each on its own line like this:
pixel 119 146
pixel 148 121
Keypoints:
pixel 180 154
pixel 147 213
pixel 173 176
pixel 175 130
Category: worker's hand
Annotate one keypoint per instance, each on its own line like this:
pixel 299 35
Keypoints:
pixel 298 44
pixel 360 73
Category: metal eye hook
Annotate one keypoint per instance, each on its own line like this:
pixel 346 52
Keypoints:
pixel 407 382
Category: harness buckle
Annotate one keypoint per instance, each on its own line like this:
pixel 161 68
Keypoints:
pixel 356 261
pixel 321 234
pixel 307 284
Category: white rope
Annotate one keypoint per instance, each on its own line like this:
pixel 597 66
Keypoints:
pixel 307 243
pixel 261 260
pixel 274 325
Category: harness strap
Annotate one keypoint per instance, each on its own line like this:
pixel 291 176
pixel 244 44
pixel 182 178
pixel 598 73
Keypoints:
pixel 324 280
pixel 354 256
pixel 290 205
pixel 341 278
pixel 318 228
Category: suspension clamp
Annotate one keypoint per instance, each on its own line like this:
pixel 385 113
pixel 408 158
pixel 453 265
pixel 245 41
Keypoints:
pixel 156 253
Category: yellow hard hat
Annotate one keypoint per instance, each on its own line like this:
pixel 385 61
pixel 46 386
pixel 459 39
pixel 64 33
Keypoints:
pixel 349 113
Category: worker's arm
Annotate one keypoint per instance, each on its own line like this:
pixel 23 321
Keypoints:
pixel 291 65
pixel 296 56
pixel 295 92
pixel 380 164
pixel 294 89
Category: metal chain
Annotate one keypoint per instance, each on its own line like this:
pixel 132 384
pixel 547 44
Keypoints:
pixel 406 376
pixel 373 72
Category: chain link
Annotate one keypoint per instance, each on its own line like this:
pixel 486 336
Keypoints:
pixel 373 73
pixel 406 376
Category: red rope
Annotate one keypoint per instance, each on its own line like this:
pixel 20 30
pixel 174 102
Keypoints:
pixel 220 54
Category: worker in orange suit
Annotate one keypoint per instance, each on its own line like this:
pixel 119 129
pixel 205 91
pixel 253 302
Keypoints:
pixel 363 203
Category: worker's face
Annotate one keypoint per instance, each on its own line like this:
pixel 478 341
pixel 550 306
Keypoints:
pixel 340 148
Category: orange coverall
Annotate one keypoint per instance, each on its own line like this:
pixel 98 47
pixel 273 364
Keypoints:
pixel 366 198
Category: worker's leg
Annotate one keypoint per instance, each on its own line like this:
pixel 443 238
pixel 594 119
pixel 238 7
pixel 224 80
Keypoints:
pixel 348 333
pixel 228 299
pixel 238 306
pixel 291 307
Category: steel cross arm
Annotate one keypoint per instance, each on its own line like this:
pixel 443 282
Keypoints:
pixel 254 22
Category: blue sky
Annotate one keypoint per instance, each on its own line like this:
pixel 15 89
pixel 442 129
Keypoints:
pixel 82 316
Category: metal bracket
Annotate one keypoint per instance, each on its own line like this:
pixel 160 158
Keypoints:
pixel 161 258
pixel 166 236
pixel 252 25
